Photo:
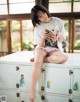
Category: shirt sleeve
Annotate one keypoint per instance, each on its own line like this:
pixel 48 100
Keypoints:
pixel 62 29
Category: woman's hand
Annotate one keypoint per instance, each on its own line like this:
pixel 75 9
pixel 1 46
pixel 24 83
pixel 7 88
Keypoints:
pixel 56 37
pixel 49 35
pixel 45 34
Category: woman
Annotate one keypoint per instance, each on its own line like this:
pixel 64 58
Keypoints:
pixel 49 34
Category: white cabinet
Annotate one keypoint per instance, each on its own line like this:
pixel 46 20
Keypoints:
pixel 25 78
pixel 76 82
pixel 24 97
pixel 76 100
pixel 8 76
pixel 57 98
pixel 9 95
pixel 8 82
pixel 58 82
pixel 15 82
pixel 25 73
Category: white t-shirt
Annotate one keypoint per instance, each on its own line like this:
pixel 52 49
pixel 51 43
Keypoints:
pixel 54 24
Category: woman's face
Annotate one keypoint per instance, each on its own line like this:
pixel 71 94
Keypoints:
pixel 43 17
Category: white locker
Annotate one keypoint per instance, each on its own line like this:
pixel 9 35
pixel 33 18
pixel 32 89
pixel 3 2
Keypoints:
pixel 9 95
pixel 24 97
pixel 57 98
pixel 76 82
pixel 25 76
pixel 8 76
pixel 76 100
pixel 57 80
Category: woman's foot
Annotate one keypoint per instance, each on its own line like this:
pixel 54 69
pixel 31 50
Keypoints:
pixel 32 59
pixel 32 97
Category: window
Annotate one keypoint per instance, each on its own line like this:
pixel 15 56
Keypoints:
pixel 64 6
pixel 76 6
pixel 16 6
pixel 27 35
pixel 20 6
pixel 66 25
pixel 59 6
pixel 77 36
pixel 21 35
pixel 3 7
pixel 15 35
pixel 3 36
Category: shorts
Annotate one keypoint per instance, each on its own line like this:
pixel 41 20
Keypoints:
pixel 48 51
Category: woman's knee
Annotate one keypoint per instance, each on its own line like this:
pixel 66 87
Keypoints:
pixel 40 53
pixel 39 56
pixel 40 49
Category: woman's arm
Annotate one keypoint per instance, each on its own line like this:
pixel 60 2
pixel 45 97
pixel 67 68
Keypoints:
pixel 42 42
pixel 45 35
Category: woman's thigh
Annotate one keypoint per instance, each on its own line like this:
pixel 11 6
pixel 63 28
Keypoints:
pixel 57 57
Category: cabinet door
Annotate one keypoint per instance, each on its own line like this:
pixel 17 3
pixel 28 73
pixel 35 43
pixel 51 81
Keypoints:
pixel 57 80
pixel 76 100
pixel 24 97
pixel 76 82
pixel 8 96
pixel 25 78
pixel 8 76
pixel 53 98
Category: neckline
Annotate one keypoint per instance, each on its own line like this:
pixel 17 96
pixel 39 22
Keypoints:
pixel 48 22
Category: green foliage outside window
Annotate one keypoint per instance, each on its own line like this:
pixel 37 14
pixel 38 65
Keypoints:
pixel 71 0
pixel 77 45
pixel 3 26
pixel 67 0
pixel 15 26
pixel 28 45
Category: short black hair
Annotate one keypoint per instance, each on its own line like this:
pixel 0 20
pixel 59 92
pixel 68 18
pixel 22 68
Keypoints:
pixel 34 14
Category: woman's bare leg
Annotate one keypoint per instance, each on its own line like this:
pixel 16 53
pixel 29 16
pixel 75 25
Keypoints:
pixel 57 58
pixel 39 57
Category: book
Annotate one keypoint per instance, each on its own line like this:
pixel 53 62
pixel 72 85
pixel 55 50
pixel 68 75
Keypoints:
pixel 52 39
pixel 52 34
